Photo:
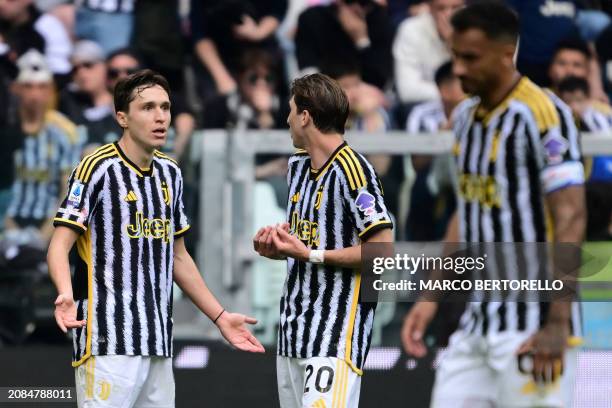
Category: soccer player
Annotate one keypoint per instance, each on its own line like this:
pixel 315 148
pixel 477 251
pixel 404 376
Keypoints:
pixel 124 210
pixel 516 153
pixel 335 204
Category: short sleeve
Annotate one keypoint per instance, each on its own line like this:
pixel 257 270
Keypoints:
pixel 181 223
pixel 562 165
pixel 78 205
pixel 363 195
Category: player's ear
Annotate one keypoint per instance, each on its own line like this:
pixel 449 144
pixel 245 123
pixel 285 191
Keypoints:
pixel 510 54
pixel 122 119
pixel 305 118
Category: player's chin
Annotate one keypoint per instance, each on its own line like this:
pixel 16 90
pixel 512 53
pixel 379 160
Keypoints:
pixel 157 141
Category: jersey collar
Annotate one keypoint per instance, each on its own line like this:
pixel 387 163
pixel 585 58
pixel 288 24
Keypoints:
pixel 141 172
pixel 316 173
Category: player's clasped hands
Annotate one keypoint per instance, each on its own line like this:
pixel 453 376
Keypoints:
pixel 66 312
pixel 275 242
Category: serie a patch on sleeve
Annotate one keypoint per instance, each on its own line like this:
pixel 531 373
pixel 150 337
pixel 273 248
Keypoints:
pixel 76 194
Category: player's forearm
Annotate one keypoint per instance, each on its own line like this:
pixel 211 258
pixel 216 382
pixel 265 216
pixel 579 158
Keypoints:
pixel 344 258
pixel 569 214
pixel 59 266
pixel 188 278
pixel 351 257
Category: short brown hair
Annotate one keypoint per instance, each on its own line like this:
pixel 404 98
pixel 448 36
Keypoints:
pixel 323 98
pixel 143 79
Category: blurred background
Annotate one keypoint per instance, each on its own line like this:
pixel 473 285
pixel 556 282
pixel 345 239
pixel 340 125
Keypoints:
pixel 229 64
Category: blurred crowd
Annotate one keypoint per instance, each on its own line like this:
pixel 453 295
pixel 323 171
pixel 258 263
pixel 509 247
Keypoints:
pixel 229 63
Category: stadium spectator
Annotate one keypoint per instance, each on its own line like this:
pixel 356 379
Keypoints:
pixel 544 24
pixel 46 154
pixel 87 100
pixel 592 117
pixel 223 29
pixel 432 196
pixel 162 50
pixel 109 23
pixel 256 105
pixel 571 58
pixel 23 27
pixel 353 31
pixel 367 113
pixel 120 64
pixel 421 45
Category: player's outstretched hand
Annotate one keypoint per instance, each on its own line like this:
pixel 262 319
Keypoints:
pixel 65 313
pixel 415 324
pixel 262 241
pixel 289 245
pixel 547 347
pixel 233 328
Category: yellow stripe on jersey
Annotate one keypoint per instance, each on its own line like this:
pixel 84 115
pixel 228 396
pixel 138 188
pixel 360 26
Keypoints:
pixel 93 165
pixel 541 106
pixel 351 326
pixel 347 170
pixel 164 156
pixel 350 168
pixel 87 159
pixel 357 164
pixel 84 251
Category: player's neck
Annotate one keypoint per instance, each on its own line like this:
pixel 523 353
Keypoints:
pixel 135 152
pixel 321 147
pixel 498 93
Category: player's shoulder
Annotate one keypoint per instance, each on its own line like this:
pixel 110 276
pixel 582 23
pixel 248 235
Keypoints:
pixel 163 158
pixel 298 156
pixel 103 156
pixel 466 106
pixel 58 121
pixel 536 104
pixel 353 168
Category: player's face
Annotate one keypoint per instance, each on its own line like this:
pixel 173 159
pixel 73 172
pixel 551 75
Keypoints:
pixel 478 61
pixel 568 63
pixel 148 118
pixel 294 120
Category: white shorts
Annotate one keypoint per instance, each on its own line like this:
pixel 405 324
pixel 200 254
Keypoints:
pixel 317 382
pixel 478 372
pixel 125 382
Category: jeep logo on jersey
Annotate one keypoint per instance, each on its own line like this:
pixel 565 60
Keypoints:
pixel 76 194
pixel 365 203
pixel 157 228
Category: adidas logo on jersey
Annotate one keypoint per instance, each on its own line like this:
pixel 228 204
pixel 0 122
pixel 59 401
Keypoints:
pixel 131 197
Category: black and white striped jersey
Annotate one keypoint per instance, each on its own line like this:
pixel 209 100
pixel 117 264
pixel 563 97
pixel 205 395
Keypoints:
pixel 426 117
pixel 42 162
pixel 127 219
pixel 337 206
pixel 508 159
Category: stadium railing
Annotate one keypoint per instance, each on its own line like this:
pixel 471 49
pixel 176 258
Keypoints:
pixel 229 214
